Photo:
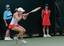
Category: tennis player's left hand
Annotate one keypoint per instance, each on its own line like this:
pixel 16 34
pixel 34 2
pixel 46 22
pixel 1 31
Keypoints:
pixel 27 13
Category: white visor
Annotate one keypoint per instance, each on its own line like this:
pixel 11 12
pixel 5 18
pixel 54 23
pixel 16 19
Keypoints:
pixel 21 9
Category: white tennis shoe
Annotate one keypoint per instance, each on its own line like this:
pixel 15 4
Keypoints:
pixel 44 35
pixel 48 35
pixel 24 41
pixel 8 38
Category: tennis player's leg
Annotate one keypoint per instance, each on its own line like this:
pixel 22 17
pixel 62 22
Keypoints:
pixel 21 31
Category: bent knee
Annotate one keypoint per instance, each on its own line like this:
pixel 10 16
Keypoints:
pixel 24 30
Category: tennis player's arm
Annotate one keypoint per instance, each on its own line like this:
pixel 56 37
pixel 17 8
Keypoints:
pixel 25 16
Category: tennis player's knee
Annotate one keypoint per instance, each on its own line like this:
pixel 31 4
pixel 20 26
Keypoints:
pixel 24 30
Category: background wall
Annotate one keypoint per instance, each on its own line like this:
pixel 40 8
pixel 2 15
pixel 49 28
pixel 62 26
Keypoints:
pixel 33 22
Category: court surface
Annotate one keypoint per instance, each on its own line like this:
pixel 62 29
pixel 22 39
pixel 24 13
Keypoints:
pixel 39 41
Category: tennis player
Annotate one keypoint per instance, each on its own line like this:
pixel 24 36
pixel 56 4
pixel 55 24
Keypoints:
pixel 17 16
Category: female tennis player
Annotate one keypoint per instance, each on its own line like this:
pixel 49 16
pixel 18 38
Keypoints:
pixel 17 16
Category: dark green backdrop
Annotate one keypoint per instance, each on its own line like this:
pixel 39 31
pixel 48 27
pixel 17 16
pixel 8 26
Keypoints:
pixel 33 22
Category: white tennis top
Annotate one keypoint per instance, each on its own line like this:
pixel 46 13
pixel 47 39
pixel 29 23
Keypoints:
pixel 14 21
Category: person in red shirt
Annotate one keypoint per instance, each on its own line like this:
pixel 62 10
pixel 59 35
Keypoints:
pixel 46 20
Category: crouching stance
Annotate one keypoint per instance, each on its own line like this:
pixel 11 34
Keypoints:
pixel 17 16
